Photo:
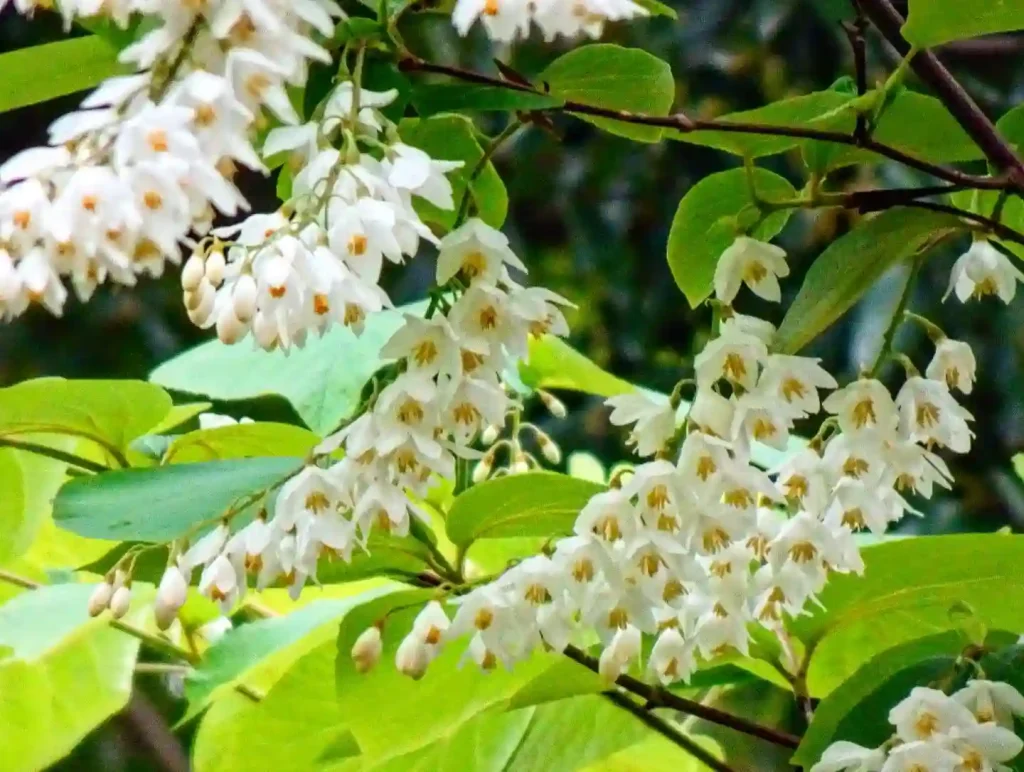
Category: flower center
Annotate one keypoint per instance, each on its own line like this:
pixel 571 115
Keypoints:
pixel 488 318
pixel 927 415
pixel 465 413
pixel 754 272
pixel 152 200
pixel 793 389
pixel 157 141
pixel 796 487
pixel 424 352
pixel 410 412
pixel 583 570
pixel 357 245
pixel 354 314
pixel 537 594
pixel 649 564
pixel 738 498
pixel 864 413
pixel 317 502
pixel 714 539
pixel 491 7
pixel 803 552
pixel 205 115
pixel 473 264
pixel 764 429
pixel 608 527
pixel 734 368
pixel 22 218
pixel 320 304
pixel 926 724
pixel 618 618
pixel 706 467
pixel 673 589
pixel 657 497
pixel 483 619
pixel 471 360
pixel 855 467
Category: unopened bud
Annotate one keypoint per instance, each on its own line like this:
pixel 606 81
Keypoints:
pixel 264 330
pixel 520 464
pixel 100 598
pixel 490 434
pixel 551 451
pixel 367 649
pixel 230 328
pixel 121 601
pixel 243 297
pixel 609 666
pixel 483 470
pixel 412 657
pixel 200 303
pixel 214 268
pixel 554 405
pixel 170 597
pixel 192 273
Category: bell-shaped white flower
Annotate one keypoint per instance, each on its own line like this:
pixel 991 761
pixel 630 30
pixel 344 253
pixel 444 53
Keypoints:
pixel 478 251
pixel 734 356
pixel 672 658
pixel 930 415
pixel 953 363
pixel 653 419
pixel 417 172
pixel 367 649
pixel 921 755
pixel 926 712
pixel 712 413
pixel 170 596
pixel 863 405
pixel 991 701
pixel 795 380
pixel 609 516
pixel 754 263
pixel 984 270
pixel 843 756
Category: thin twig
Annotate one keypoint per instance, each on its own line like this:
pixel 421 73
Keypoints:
pixel 855 34
pixel 663 698
pixel 57 455
pixel 668 731
pixel 889 22
pixel 684 124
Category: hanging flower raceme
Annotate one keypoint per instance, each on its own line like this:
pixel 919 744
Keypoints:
pixel 150 157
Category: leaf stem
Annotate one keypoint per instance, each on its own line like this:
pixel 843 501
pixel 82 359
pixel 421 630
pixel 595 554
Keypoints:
pixel 57 455
pixel 666 730
pixel 658 696
pixel 492 147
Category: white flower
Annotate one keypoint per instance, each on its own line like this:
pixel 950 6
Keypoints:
pixel 930 415
pixel 430 626
pixel 504 20
pixel 755 263
pixel 858 505
pixel 478 251
pixel 712 413
pixel 417 172
pixel 761 419
pixel 653 418
pixel 804 480
pixel 921 757
pixel 412 657
pixel 220 582
pixel 862 405
pixel 984 746
pixel 991 701
pixel 984 270
pixel 310 493
pixel 623 649
pixel 609 516
pixel 845 756
pixel 205 550
pixel 734 355
pixel 367 649
pixel 953 363
pixel 926 712
pixel 795 380
pixel 672 658
pixel 170 596
pixel 427 345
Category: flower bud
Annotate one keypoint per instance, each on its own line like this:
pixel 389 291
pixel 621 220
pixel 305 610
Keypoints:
pixel 412 657
pixel 490 434
pixel 100 598
pixel 243 297
pixel 120 602
pixel 192 273
pixel 202 301
pixel 264 331
pixel 215 267
pixel 554 405
pixel 551 451
pixel 520 464
pixel 609 666
pixel 483 470
pixel 367 649
pixel 170 597
pixel 229 328
pixel 195 297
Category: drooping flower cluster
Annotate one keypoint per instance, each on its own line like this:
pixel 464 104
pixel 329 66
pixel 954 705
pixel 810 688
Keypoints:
pixel 700 542
pixel 508 20
pixel 447 391
pixel 281 276
pixel 970 730
pixel 150 157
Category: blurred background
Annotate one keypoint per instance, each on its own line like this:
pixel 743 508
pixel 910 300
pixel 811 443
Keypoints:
pixel 590 215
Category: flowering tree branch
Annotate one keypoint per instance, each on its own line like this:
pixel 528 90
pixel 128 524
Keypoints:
pixel 659 697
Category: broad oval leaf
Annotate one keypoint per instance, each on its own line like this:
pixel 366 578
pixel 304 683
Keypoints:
pixel 554 364
pixel 857 710
pixel 29 482
pixel 906 592
pixel 241 441
pixel 853 263
pixel 532 504
pixel 933 22
pixel 617 78
pixel 323 381
pixel 51 70
pixel 162 503
pixel 706 223
pixel 451 137
pixel 110 413
pixel 64 674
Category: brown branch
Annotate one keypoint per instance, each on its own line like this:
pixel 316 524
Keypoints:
pixel 684 124
pixel 659 697
pixel 855 34
pixel 668 731
pixel 888 21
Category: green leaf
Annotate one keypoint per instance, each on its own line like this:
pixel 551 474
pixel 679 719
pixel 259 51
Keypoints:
pixel 180 414
pixel 29 482
pixel 241 441
pixel 853 263
pixel 453 138
pixel 858 709
pixel 159 504
pixel 323 381
pixel 554 364
pixel 933 22
pixel 384 556
pixel 63 674
pixel 906 593
pixel 533 504
pixel 432 98
pixel 39 73
pixel 110 413
pixel 657 9
pixel 616 78
pixel 705 224
pixel 276 642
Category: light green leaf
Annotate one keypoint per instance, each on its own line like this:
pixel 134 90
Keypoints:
pixel 657 9
pixel 858 709
pixel 453 138
pixel 616 78
pixel 853 263
pixel 708 221
pixel 162 503
pixel 656 754
pixel 433 98
pixel 532 504
pixel 554 364
pixel 241 441
pixel 63 674
pixel 179 415
pixel 28 482
pixel 906 593
pixel 323 381
pixel 933 22
pixel 110 413
pixel 39 73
